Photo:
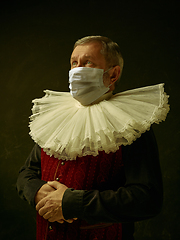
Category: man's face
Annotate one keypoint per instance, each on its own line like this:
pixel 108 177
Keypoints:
pixel 88 55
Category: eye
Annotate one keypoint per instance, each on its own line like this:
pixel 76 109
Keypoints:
pixel 73 63
pixel 89 63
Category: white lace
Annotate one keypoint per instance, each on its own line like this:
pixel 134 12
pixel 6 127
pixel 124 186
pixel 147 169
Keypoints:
pixel 66 129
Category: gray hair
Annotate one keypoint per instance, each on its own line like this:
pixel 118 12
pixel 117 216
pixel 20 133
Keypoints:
pixel 110 50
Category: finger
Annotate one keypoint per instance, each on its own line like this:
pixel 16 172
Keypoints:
pixel 45 210
pixel 54 218
pixel 54 184
pixel 60 221
pixel 50 217
pixel 70 220
pixel 41 203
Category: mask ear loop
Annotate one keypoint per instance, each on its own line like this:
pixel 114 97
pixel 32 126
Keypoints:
pixel 106 72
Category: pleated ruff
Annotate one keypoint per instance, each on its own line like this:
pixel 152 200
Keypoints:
pixel 66 129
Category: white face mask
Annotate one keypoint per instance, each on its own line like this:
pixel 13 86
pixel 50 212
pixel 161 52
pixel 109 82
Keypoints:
pixel 86 84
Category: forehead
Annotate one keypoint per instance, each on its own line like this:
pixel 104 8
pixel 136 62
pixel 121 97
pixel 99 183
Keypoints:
pixel 92 50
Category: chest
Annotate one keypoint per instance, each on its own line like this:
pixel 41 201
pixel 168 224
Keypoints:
pixel 100 172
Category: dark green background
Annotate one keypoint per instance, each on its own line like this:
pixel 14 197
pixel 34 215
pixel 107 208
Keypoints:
pixel 36 40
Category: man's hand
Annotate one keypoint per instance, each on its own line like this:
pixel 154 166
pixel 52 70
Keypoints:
pixel 50 207
pixel 43 192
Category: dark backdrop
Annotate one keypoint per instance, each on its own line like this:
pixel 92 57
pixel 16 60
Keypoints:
pixel 36 39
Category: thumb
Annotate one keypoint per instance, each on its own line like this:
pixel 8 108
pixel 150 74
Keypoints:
pixel 54 184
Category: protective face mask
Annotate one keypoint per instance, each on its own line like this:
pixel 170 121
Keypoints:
pixel 86 84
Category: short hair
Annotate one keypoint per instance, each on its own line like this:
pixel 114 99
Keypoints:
pixel 110 50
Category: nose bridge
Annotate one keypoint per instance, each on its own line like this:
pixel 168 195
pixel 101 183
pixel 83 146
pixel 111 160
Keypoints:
pixel 79 62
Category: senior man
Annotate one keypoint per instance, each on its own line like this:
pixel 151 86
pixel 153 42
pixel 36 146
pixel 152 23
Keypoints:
pixel 94 169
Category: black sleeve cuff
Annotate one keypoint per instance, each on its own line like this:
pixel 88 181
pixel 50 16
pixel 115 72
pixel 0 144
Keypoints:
pixel 72 210
pixel 31 189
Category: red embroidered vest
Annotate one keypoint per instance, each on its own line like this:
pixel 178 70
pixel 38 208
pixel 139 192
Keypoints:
pixel 83 173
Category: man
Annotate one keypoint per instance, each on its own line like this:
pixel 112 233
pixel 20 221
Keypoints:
pixel 93 171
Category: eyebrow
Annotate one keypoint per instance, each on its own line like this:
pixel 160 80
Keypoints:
pixel 73 58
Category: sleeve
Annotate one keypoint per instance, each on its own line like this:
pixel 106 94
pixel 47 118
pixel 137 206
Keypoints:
pixel 140 198
pixel 29 179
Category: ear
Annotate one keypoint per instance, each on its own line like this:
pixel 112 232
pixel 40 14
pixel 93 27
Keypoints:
pixel 114 74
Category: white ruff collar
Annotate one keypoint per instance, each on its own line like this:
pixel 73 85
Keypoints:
pixel 66 129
